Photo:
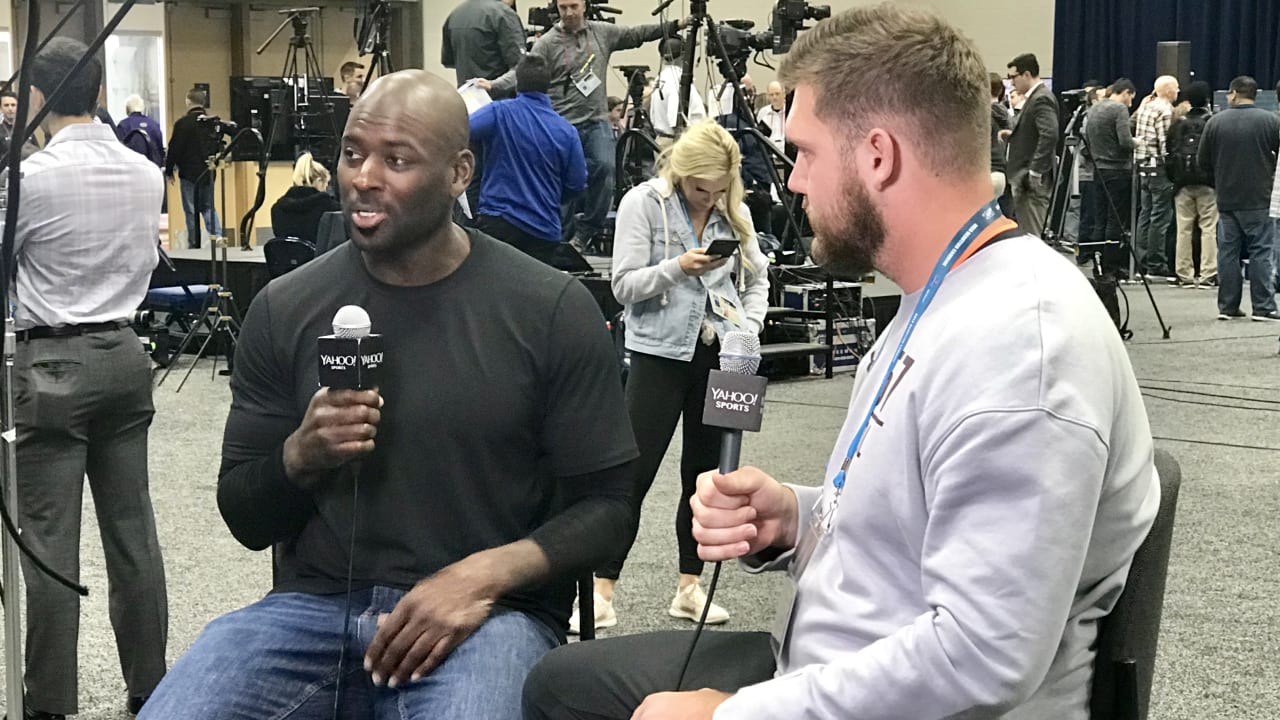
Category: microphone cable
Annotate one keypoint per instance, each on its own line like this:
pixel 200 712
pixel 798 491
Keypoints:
pixel 702 623
pixel 346 610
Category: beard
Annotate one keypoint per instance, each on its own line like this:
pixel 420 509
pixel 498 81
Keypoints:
pixel 403 230
pixel 846 241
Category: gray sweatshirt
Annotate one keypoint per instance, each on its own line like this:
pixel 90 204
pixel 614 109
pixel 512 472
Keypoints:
pixel 1110 140
pixel 567 55
pixel 989 520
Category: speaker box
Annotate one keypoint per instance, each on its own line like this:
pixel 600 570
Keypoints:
pixel 1174 58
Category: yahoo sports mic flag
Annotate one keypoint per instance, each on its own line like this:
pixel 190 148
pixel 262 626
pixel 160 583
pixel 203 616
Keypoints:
pixel 350 358
pixel 735 394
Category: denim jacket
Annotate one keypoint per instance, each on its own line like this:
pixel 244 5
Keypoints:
pixel 665 308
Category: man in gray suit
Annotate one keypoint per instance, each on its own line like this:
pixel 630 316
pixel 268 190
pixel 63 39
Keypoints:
pixel 1032 143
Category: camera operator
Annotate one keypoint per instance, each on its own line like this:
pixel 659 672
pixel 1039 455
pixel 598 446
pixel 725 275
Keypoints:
pixel 85 249
pixel 1111 144
pixel 188 150
pixel 482 39
pixel 578 52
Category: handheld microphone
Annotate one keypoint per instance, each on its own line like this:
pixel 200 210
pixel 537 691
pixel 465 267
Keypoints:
pixel 735 395
pixel 350 358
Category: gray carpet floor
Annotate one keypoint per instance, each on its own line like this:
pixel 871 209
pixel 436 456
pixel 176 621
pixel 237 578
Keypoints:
pixel 1220 637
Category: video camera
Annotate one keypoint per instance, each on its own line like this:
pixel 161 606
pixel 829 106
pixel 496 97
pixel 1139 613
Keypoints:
pixel 788 20
pixel 546 17
pixel 211 130
pixel 216 126
pixel 634 73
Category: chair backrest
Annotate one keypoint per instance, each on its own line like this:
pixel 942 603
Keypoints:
pixel 1125 663
pixel 331 232
pixel 285 254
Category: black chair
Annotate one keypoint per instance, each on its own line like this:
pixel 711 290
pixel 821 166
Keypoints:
pixel 286 254
pixel 1126 645
pixel 331 232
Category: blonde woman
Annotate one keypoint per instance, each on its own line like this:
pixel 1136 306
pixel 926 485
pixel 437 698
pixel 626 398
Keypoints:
pixel 297 212
pixel 680 300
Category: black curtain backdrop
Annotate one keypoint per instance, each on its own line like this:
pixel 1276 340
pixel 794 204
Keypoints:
pixel 1107 39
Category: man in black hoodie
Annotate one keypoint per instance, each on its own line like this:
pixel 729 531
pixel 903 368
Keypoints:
pixel 188 149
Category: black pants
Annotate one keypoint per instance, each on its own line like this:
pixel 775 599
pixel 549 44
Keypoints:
pixel 607 679
pixel 531 245
pixel 1090 213
pixel 1115 211
pixel 659 391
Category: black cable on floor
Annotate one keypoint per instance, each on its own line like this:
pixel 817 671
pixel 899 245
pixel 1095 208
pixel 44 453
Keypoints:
pixel 800 403
pixel 1271 336
pixel 1219 396
pixel 1208 404
pixel 1210 384
pixel 1215 443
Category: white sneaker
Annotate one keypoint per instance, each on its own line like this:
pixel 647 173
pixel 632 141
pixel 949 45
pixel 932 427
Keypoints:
pixel 688 604
pixel 605 616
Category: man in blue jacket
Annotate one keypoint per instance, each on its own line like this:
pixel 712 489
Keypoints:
pixel 533 161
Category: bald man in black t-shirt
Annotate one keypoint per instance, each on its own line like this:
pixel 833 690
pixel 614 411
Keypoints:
pixel 495 457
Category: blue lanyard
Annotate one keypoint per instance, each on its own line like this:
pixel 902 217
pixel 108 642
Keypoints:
pixel 964 237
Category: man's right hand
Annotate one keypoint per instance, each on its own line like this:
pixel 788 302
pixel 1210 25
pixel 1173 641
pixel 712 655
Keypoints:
pixel 339 426
pixel 482 83
pixel 742 513
pixel 1004 135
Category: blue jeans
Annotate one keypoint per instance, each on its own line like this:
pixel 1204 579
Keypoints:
pixel 598 147
pixel 278 658
pixel 204 195
pixel 1252 230
pixel 1155 213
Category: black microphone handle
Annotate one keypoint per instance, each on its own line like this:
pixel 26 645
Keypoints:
pixel 730 451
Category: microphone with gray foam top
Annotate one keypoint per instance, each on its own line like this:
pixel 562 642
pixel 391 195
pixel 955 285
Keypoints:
pixel 350 358
pixel 735 394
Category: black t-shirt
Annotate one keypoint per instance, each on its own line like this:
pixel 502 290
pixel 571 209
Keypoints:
pixel 499 380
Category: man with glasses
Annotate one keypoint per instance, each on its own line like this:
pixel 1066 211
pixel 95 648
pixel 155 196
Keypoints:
pixel 1032 143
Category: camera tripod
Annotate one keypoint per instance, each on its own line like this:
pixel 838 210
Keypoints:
pixel 371 38
pixel 304 84
pixel 1105 269
pixel 220 314
pixel 632 166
